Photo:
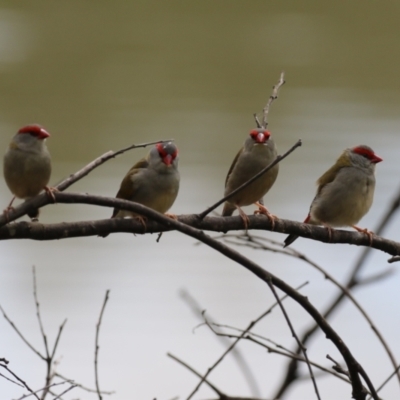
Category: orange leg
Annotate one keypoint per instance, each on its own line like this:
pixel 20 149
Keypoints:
pixel 329 231
pixel 366 231
pixel 172 216
pixel 263 210
pixel 8 209
pixel 50 191
pixel 244 217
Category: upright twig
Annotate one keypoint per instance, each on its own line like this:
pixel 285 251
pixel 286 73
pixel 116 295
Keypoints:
pixel 271 99
pixel 96 351
pixel 303 348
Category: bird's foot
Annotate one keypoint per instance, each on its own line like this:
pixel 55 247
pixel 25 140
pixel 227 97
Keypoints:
pixel 50 191
pixel 142 220
pixel 6 212
pixel 329 232
pixel 172 216
pixel 264 211
pixel 366 231
pixel 244 217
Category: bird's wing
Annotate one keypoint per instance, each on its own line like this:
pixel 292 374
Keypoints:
pixel 233 165
pixel 127 188
pixel 328 177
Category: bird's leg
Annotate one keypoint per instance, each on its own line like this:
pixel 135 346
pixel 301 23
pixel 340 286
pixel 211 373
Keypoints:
pixel 50 191
pixel 172 216
pixel 8 209
pixel 244 217
pixel 366 231
pixel 142 220
pixel 263 210
pixel 329 231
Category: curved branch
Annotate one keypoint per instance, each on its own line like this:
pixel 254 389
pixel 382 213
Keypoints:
pixel 38 231
pixel 352 364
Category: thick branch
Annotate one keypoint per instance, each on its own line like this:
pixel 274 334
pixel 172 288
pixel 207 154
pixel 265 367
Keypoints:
pixel 38 231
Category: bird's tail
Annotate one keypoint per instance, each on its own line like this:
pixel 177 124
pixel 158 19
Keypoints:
pixel 228 209
pixel 292 237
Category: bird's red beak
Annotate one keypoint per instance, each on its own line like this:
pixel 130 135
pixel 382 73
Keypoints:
pixel 167 160
pixel 376 159
pixel 260 136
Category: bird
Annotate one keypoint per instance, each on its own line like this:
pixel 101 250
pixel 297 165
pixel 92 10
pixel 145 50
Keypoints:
pixel 153 181
pixel 258 151
pixel 345 191
pixel 27 165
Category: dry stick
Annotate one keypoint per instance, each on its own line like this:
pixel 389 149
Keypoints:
pixel 40 200
pixel 96 352
pixel 233 345
pixel 65 391
pixel 296 254
pixel 49 357
pixel 236 354
pixel 351 282
pixel 82 386
pixel 303 349
pixel 50 386
pixel 290 354
pixel 20 380
pixel 351 362
pixel 286 352
pixel 272 98
pixel 387 380
pixel 241 187
pixel 21 335
pixel 217 391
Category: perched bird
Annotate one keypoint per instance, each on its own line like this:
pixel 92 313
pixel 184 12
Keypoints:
pixel 258 151
pixel 345 192
pixel 27 164
pixel 153 181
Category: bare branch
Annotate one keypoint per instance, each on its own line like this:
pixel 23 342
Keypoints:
pixel 160 223
pixel 96 352
pixel 303 349
pixel 272 98
pixel 217 391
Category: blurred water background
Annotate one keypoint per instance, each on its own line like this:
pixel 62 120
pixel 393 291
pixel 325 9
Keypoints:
pixel 101 75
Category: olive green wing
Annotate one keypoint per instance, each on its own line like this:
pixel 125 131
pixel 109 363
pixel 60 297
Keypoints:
pixel 127 189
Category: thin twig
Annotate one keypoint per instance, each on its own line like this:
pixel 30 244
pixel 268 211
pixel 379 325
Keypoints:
pixel 20 380
pixel 233 344
pixel 241 187
pixel 107 392
pixel 272 98
pixel 96 352
pixel 217 391
pixel 303 349
pixel 21 335
pixel 236 354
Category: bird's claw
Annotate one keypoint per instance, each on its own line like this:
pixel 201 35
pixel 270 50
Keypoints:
pixel 50 191
pixel 366 231
pixel 264 211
